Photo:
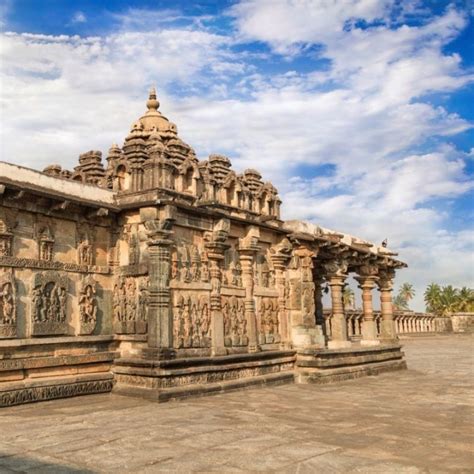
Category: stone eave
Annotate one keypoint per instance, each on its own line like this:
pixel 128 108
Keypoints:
pixel 34 182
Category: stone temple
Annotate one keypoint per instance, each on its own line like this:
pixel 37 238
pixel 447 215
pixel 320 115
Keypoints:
pixel 159 275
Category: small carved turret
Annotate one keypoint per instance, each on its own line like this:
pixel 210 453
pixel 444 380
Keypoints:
pixel 90 168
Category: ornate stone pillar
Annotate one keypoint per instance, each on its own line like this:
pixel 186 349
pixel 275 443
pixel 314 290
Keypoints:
pixel 280 257
pixel 248 247
pixel 160 319
pixel 367 281
pixel 216 246
pixel 318 279
pixel 337 275
pixel 385 284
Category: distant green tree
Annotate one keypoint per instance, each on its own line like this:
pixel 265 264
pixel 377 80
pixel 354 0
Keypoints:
pixel 432 297
pixel 405 293
pixel 447 299
pixel 348 297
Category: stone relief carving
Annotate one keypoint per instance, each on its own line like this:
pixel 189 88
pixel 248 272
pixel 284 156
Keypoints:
pixel 45 241
pixel 49 304
pixel 6 235
pixel 235 323
pixel 265 275
pixel 125 305
pixel 232 275
pixel 88 306
pixel 189 264
pixel 84 241
pixel 143 299
pixel 7 305
pixel 269 325
pixel 133 249
pixel 191 321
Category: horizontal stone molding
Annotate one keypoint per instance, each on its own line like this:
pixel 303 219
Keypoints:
pixel 51 265
pixel 50 390
pixel 55 361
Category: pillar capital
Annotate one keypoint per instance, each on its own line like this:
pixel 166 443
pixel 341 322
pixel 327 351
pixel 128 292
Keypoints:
pixel 366 282
pixel 336 270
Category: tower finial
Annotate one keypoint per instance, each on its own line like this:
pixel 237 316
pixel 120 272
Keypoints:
pixel 152 103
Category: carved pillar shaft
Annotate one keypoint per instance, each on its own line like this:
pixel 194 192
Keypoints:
pixel 338 326
pixel 369 329
pixel 279 266
pixel 216 256
pixel 388 331
pixel 246 261
pixel 159 307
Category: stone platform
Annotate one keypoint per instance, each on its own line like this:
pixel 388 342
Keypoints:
pixel 168 379
pixel 324 366
pixel 48 368
pixel 415 421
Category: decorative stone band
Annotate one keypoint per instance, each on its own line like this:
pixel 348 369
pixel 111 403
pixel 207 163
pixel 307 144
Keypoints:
pixel 50 265
pixel 49 392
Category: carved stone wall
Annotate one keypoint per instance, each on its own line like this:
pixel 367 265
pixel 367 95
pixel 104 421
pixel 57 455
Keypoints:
pixel 125 305
pixel 235 322
pixel 268 320
pixel 191 320
pixel 8 302
pixel 88 306
pixel 49 304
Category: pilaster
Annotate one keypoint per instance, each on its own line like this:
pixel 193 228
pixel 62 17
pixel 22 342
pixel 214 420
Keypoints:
pixel 160 321
pixel 248 247
pixel 216 246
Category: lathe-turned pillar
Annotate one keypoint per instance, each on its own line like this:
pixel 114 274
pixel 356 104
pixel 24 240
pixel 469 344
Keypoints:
pixel 280 256
pixel 337 275
pixel 385 284
pixel 367 280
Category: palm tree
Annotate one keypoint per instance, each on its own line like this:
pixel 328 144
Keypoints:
pixel 448 300
pixel 348 298
pixel 432 298
pixel 465 300
pixel 407 292
pixel 399 303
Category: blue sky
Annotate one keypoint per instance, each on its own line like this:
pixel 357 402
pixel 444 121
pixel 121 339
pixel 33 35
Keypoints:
pixel 359 111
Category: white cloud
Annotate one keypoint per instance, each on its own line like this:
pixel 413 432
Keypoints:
pixel 79 17
pixel 363 114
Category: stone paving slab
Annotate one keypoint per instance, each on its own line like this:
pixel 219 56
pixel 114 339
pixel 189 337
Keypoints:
pixel 414 421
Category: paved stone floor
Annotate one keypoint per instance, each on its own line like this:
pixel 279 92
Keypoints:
pixel 415 421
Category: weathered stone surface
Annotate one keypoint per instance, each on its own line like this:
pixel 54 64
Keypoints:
pixel 413 421
pixel 179 259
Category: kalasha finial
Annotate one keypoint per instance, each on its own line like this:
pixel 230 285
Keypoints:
pixel 152 103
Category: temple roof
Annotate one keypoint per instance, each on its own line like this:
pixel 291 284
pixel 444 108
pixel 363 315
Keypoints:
pixel 153 119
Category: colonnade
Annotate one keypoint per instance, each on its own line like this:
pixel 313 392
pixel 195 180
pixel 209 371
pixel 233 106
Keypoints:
pixel 371 330
pixel 408 322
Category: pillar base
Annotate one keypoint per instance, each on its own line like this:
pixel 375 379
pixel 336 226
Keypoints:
pixel 158 353
pixel 339 344
pixel 221 351
pixel 369 342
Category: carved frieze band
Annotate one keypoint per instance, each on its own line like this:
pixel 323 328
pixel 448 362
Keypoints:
pixel 50 265
pixel 35 394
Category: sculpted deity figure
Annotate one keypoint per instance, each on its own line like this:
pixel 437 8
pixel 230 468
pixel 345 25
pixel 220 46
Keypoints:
pixel 36 302
pixel 5 246
pixel 88 305
pixel 8 304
